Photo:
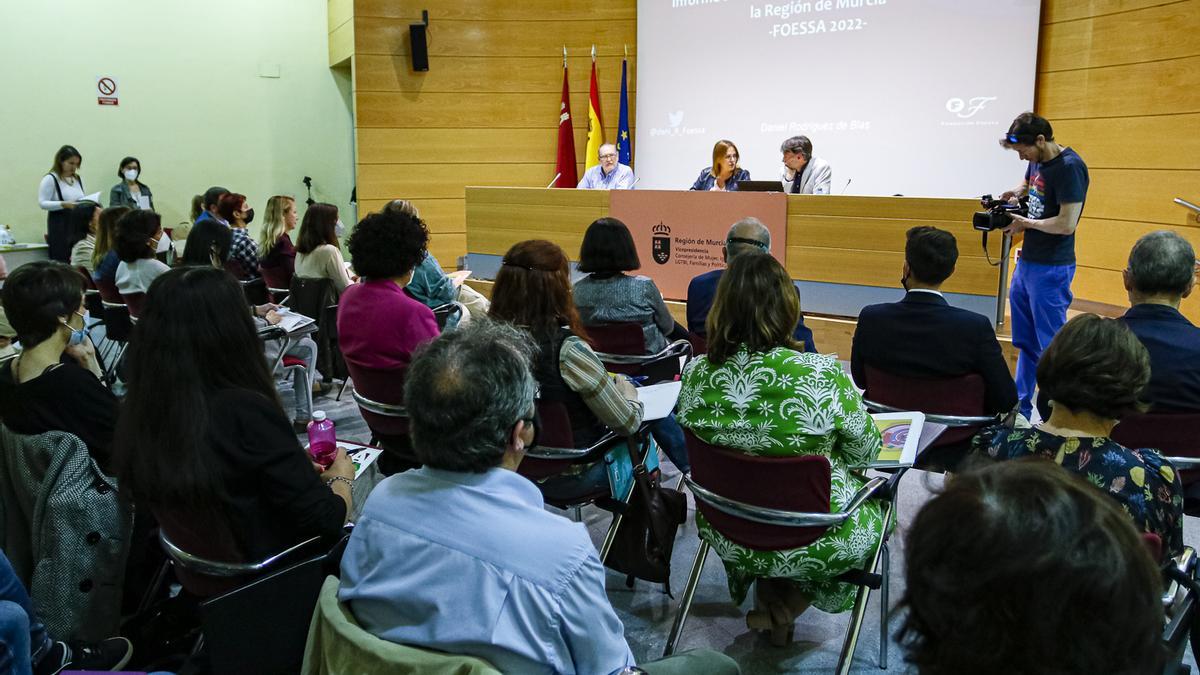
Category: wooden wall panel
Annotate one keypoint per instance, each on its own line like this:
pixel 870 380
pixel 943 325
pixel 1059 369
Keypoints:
pixel 486 112
pixel 1152 34
pixel 1156 142
pixel 522 74
pixel 881 268
pixel 1120 81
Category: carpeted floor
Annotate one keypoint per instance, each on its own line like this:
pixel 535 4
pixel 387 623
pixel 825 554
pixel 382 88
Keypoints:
pixel 714 622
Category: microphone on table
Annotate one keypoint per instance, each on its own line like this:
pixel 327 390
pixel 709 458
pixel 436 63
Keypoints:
pixel 846 185
pixel 635 182
pixel 555 179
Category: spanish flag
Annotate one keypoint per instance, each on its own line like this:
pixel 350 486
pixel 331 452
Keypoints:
pixel 595 121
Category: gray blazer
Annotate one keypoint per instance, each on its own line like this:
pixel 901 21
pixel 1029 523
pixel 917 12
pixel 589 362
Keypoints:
pixel 815 179
pixel 119 195
pixel 65 531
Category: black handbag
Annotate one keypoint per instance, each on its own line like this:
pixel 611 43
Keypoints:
pixel 645 538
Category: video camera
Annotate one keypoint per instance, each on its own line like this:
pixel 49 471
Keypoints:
pixel 998 213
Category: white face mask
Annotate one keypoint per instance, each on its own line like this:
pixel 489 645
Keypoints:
pixel 131 174
pixel 339 229
pixel 164 244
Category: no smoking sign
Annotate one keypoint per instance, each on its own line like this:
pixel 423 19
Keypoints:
pixel 106 90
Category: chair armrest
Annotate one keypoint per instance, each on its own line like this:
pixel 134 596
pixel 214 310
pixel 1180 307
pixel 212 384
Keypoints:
pixel 573 453
pixel 952 421
pixel 268 333
pixel 1183 462
pixel 385 409
pixel 216 568
pixel 769 516
pixel 676 348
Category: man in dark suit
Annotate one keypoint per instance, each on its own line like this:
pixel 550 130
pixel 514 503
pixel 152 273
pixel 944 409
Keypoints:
pixel 746 235
pixel 924 337
pixel 1160 274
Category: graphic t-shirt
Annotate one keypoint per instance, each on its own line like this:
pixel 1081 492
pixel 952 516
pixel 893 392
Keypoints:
pixel 1062 180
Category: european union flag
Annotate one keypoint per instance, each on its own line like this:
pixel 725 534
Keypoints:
pixel 624 142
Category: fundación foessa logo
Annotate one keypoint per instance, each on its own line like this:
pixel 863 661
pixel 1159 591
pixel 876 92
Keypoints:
pixel 661 243
pixel 967 109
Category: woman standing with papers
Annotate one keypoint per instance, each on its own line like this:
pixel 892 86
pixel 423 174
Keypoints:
pixel 60 189
pixel 758 392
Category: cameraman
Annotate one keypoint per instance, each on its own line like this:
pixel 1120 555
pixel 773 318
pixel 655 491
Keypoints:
pixel 1056 182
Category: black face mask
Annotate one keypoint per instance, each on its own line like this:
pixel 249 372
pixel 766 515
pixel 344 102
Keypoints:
pixel 904 282
pixel 249 216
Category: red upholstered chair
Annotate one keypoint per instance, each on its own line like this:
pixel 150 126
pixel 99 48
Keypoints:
pixel 957 402
pixel 618 338
pixel 108 291
pixel 278 280
pixel 135 302
pixel 1176 436
pixel 380 398
pixel 777 503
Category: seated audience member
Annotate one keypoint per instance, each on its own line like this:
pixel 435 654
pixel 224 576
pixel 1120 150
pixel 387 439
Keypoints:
pixel 724 174
pixel 83 220
pixel 380 325
pixel 533 292
pixel 608 174
pixel 54 384
pixel 104 255
pixel 208 243
pixel 27 647
pixel 1160 274
pixel 1024 568
pixel 197 208
pixel 756 392
pixel 131 191
pixel 460 555
pixel 608 295
pixel 243 251
pixel 215 238
pixel 1093 373
pixel 278 261
pixel 431 286
pixel 801 173
pixel 318 253
pixel 748 235
pixel 922 336
pixel 202 440
pixel 212 198
pixel 139 238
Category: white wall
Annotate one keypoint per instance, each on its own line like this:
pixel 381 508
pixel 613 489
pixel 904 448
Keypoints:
pixel 193 107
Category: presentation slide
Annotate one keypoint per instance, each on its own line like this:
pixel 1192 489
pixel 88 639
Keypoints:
pixel 901 97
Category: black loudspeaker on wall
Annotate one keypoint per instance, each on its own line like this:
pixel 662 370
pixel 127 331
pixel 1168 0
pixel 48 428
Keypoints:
pixel 420 47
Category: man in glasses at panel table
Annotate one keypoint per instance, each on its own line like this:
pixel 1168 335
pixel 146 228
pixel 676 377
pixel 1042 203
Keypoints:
pixel 609 174
pixel 1056 182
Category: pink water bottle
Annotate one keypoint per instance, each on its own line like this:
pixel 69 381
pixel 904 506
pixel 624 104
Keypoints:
pixel 322 444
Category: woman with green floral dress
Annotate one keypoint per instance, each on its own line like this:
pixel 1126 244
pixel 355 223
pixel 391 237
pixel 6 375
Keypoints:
pixel 758 392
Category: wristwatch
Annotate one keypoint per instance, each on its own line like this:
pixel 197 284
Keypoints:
pixel 629 670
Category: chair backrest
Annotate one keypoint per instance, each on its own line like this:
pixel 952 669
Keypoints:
pixel 118 325
pixel 1172 434
pixel 88 283
pixel 256 291
pixel 801 483
pixel 318 299
pixel 135 302
pixel 961 396
pixel 665 366
pixel 443 313
pixel 337 644
pixel 554 431
pixel 262 626
pixel 108 290
pixel 625 337
pixel 383 386
pixel 276 276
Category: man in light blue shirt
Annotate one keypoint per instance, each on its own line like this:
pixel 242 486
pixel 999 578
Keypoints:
pixel 608 174
pixel 460 555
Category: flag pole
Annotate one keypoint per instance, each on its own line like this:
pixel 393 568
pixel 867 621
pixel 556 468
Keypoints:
pixel 564 56
pixel 593 53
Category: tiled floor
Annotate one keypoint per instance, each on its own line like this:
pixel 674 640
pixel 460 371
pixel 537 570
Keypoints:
pixel 714 622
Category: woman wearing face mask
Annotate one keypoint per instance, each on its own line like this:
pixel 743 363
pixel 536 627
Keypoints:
pixel 243 251
pixel 85 219
pixel 318 254
pixel 131 191
pixel 54 385
pixel 140 237
pixel 278 262
pixel 60 189
pixel 724 174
